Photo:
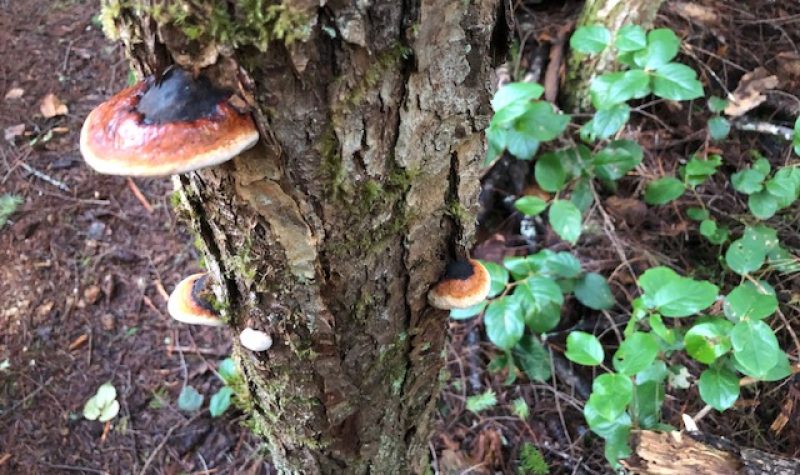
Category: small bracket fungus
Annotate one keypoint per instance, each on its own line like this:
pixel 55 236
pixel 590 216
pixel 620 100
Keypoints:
pixel 173 124
pixel 465 283
pixel 189 302
pixel 255 340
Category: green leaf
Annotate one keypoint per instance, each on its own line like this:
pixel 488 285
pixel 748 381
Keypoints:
pixel 676 82
pixel 565 219
pixel 717 104
pixel 719 388
pixel 105 394
pixel 747 254
pixel 611 394
pixel 748 181
pixel 708 227
pixel 530 205
pixel 584 348
pixel 617 158
pixel 109 411
pixel 541 122
pixel 762 204
pixel 227 370
pixel 755 347
pixel 543 318
pixel 615 88
pixel 748 301
pixel 520 409
pixel 784 187
pixel 516 92
pixel 636 353
pixel 481 402
pixel 103 406
pixel 631 38
pixel 673 295
pixel 520 144
pixel 781 370
pixel 504 322
pixel 498 275
pixel 718 127
pixel 533 358
pixel 783 261
pixel 709 340
pixel 496 138
pixel 606 122
pixel 8 205
pixel 699 169
pixel 582 196
pixel 189 399
pixel 564 265
pixel 220 401
pixel 697 214
pixel 549 173
pixel 663 190
pixel 796 136
pixel 662 47
pixel 761 165
pixel 661 330
pixel 469 312
pixel 590 39
pixel 592 290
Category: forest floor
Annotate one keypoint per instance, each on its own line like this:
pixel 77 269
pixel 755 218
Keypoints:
pixel 84 265
pixel 86 262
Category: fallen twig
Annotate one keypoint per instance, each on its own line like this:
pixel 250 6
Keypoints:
pixel 139 196
pixel 749 125
pixel 42 176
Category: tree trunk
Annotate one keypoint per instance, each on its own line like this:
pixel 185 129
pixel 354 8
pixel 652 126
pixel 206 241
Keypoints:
pixel 614 14
pixel 330 232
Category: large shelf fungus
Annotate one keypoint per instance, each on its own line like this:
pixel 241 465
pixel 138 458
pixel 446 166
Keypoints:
pixel 174 124
pixel 465 283
pixel 191 302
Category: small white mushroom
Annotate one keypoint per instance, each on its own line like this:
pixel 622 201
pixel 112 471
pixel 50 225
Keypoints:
pixel 255 340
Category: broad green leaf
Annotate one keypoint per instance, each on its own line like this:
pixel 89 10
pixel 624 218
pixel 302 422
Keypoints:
pixel 663 190
pixel 480 402
pixel 541 122
pixel 565 220
pixel 784 187
pixel 540 291
pixel 516 92
pixel 606 122
pixel 762 204
pixel 673 295
pixel 662 47
pixel 533 358
pixel 755 347
pixel 717 104
pixel 719 388
pixel 783 261
pixel 748 301
pixel 505 117
pixel 584 348
pixel 761 165
pixel 592 290
pixel 709 340
pixel 647 400
pixel 549 172
pixel 631 38
pixel 582 196
pixel 109 411
pixel 636 353
pixel 611 394
pixel 748 181
pixel 661 330
pixel 718 127
pixel 699 169
pixel 504 322
pixel 563 265
pixel 497 139
pixel 227 370
pixel 617 158
pixel 530 205
pixel 708 227
pixel 520 144
pixel 590 39
pixel 189 399
pixel 105 394
pixel 522 266
pixel 220 401
pixel 747 254
pixel 781 370
pixel 796 136
pixel 697 214
pixel 498 275
pixel 543 317
pixel 615 88
pixel 676 82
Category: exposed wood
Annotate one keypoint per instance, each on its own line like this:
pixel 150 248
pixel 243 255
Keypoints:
pixel 678 453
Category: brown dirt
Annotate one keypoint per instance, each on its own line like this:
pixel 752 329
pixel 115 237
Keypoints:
pixel 82 265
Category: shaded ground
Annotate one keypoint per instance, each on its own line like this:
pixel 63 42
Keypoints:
pixel 83 270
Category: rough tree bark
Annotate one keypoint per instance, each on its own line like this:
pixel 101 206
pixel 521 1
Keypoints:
pixel 330 232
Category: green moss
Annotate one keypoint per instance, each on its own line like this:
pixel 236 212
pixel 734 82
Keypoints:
pixel 110 11
pixel 242 263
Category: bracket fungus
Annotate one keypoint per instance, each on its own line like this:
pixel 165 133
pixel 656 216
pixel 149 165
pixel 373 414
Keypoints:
pixel 465 283
pixel 255 340
pixel 190 303
pixel 173 124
